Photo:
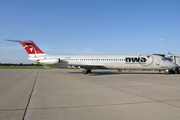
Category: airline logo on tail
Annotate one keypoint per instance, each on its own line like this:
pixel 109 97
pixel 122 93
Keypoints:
pixel 30 47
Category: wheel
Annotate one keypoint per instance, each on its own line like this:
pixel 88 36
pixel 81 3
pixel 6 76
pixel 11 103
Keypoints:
pixel 177 70
pixel 88 71
pixel 85 72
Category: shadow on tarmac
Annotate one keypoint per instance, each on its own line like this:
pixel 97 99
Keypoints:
pixel 113 73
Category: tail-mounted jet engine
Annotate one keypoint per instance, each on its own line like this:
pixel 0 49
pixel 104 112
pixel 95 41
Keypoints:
pixel 49 61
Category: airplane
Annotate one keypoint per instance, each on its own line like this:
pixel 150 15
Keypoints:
pixel 90 62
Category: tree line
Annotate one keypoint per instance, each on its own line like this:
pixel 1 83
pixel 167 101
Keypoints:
pixel 20 64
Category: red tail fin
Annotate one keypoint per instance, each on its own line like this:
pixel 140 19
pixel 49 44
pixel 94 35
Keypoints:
pixel 30 47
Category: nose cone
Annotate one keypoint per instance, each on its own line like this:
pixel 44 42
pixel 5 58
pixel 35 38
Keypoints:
pixel 172 65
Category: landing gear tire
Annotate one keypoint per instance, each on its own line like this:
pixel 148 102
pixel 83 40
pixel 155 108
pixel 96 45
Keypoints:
pixel 86 72
pixel 170 72
pixel 177 69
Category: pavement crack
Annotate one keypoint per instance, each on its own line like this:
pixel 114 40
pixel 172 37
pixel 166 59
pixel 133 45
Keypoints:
pixel 103 105
pixel 160 101
pixel 30 95
pixel 10 109
pixel 96 105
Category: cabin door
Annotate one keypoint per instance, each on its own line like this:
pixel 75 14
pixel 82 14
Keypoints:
pixel 157 62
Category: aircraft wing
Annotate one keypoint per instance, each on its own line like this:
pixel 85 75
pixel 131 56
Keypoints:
pixel 88 65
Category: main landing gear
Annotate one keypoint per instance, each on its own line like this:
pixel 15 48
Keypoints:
pixel 85 71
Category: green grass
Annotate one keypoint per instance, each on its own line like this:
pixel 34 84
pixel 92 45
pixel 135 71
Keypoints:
pixel 22 67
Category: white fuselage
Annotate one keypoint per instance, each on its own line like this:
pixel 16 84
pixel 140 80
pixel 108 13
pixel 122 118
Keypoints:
pixel 135 62
pixel 89 62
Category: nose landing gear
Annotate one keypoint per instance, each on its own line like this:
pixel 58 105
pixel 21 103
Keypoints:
pixel 173 71
pixel 166 72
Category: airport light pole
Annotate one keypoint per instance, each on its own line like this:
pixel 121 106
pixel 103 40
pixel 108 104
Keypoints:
pixel 162 45
pixel 132 49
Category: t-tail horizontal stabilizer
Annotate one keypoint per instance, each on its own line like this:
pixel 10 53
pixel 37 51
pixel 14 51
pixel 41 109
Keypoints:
pixel 30 47
pixel 13 40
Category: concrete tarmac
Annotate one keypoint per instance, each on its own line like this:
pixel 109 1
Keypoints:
pixel 56 94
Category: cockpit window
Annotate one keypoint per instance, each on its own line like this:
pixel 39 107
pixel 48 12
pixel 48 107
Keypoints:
pixel 164 58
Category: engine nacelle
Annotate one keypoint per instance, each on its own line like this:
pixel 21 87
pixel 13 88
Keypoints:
pixel 49 61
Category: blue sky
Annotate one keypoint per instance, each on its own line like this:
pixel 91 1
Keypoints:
pixel 89 27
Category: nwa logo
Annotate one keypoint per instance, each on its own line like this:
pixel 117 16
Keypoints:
pixel 31 49
pixel 144 60
pixel 135 59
